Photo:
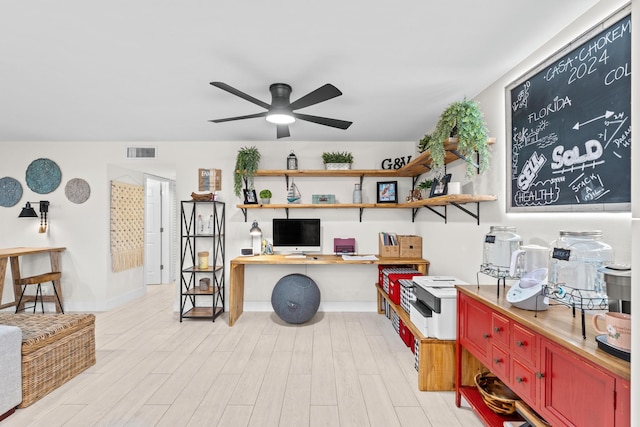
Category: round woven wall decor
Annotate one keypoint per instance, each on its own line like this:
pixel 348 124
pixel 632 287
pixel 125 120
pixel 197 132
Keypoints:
pixel 10 191
pixel 77 190
pixel 43 176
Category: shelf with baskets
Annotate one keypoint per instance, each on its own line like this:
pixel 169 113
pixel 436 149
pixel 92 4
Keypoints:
pixel 202 292
pixel 416 167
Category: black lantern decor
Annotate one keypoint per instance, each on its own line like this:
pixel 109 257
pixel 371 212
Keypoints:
pixel 292 161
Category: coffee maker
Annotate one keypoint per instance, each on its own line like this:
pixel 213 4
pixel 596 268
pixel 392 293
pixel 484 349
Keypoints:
pixel 617 278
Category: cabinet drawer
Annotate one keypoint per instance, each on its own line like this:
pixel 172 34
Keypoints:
pixel 500 362
pixel 500 330
pixel 524 345
pixel 524 382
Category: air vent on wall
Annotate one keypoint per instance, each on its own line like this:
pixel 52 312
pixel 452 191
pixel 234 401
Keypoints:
pixel 141 152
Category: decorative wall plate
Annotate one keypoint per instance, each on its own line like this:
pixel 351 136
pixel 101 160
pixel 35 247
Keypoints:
pixel 43 176
pixel 10 191
pixel 77 190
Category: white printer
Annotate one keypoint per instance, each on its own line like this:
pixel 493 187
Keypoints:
pixel 438 295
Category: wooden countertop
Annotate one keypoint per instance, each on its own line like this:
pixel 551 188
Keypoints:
pixel 322 259
pixel 556 324
pixel 9 252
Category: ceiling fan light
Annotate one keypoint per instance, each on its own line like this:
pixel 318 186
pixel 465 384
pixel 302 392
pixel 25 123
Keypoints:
pixel 280 118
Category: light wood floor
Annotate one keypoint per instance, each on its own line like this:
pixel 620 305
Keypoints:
pixel 341 369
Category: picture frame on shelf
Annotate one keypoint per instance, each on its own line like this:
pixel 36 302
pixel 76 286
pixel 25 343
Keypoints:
pixel 250 197
pixel 387 192
pixel 440 186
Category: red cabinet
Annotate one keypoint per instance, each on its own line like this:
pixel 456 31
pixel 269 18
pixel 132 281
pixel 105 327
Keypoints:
pixel 575 392
pixel 563 387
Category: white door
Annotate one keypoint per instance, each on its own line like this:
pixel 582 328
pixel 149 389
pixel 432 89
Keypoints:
pixel 153 231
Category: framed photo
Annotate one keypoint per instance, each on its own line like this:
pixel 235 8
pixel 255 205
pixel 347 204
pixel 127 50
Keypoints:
pixel 250 197
pixel 440 186
pixel 387 192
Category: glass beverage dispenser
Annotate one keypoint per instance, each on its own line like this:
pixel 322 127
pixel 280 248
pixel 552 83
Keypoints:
pixel 575 261
pixel 499 244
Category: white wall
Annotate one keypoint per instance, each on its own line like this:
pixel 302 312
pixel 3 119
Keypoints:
pixel 89 284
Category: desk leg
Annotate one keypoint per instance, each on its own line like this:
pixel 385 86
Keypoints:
pixel 54 258
pixel 15 274
pixel 236 292
pixel 3 272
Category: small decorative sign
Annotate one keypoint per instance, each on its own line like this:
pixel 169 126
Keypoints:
pixel 396 163
pixel 209 179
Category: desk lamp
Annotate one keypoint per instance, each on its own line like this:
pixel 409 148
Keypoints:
pixel 256 238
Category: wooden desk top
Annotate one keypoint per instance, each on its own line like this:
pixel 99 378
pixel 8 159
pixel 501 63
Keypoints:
pixel 556 324
pixel 9 252
pixel 322 259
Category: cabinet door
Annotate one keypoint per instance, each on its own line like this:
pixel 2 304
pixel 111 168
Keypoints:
pixel 623 403
pixel 500 362
pixel 524 345
pixel 500 331
pixel 574 391
pixel 475 331
pixel 523 382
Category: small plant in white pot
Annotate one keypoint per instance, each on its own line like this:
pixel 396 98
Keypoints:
pixel 336 160
pixel 265 196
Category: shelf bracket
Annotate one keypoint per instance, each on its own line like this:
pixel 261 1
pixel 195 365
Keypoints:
pixel 441 215
pixel 361 210
pixel 460 156
pixel 468 212
pixel 286 211
pixel 244 212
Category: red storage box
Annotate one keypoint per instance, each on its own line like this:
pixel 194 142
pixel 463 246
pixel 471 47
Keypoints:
pixel 393 290
pixel 406 335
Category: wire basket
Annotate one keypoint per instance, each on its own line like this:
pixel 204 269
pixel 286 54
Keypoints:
pixel 497 396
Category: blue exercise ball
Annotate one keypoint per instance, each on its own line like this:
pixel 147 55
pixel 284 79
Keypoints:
pixel 295 298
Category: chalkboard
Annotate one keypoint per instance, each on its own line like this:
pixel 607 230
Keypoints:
pixel 570 126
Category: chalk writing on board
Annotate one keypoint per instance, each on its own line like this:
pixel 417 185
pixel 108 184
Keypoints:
pixel 570 130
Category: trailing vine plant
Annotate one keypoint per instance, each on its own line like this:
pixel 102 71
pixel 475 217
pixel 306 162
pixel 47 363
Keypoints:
pixel 246 166
pixel 464 120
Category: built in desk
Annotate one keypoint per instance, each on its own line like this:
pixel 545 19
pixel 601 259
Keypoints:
pixel 236 283
pixel 13 255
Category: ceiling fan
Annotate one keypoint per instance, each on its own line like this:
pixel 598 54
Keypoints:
pixel 280 111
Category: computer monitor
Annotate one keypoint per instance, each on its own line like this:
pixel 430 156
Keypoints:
pixel 296 235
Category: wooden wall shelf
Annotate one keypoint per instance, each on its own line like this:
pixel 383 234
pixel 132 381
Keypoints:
pixel 418 166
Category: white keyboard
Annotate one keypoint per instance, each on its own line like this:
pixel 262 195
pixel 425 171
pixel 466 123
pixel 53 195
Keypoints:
pixel 295 256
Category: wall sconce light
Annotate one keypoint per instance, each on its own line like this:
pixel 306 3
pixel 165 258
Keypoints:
pixel 256 238
pixel 29 212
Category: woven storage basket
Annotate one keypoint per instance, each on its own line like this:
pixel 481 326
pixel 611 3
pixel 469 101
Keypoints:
pixel 55 348
pixel 498 397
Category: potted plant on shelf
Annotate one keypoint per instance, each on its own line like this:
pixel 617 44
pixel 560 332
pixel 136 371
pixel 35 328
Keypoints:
pixel 464 120
pixel 424 187
pixel 337 160
pixel 246 165
pixel 265 196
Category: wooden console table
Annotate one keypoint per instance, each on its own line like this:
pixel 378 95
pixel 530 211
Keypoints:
pixel 13 254
pixel 236 283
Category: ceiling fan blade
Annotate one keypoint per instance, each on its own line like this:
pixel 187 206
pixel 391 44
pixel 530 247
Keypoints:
pixel 321 94
pixel 242 95
pixel 283 131
pixel 340 124
pixel 250 116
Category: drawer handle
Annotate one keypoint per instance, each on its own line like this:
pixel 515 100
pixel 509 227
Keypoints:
pixel 486 336
pixel 520 380
pixel 539 375
pixel 520 343
pixel 497 361
pixel 497 328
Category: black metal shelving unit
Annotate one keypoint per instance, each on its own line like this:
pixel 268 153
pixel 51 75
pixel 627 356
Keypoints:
pixel 206 235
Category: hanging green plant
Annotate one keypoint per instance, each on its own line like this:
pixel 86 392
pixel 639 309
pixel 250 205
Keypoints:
pixel 246 165
pixel 464 120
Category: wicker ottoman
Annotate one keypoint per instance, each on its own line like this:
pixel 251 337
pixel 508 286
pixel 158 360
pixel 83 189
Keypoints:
pixel 55 348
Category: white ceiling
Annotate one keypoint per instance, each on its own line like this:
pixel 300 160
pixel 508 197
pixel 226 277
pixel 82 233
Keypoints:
pixel 139 70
